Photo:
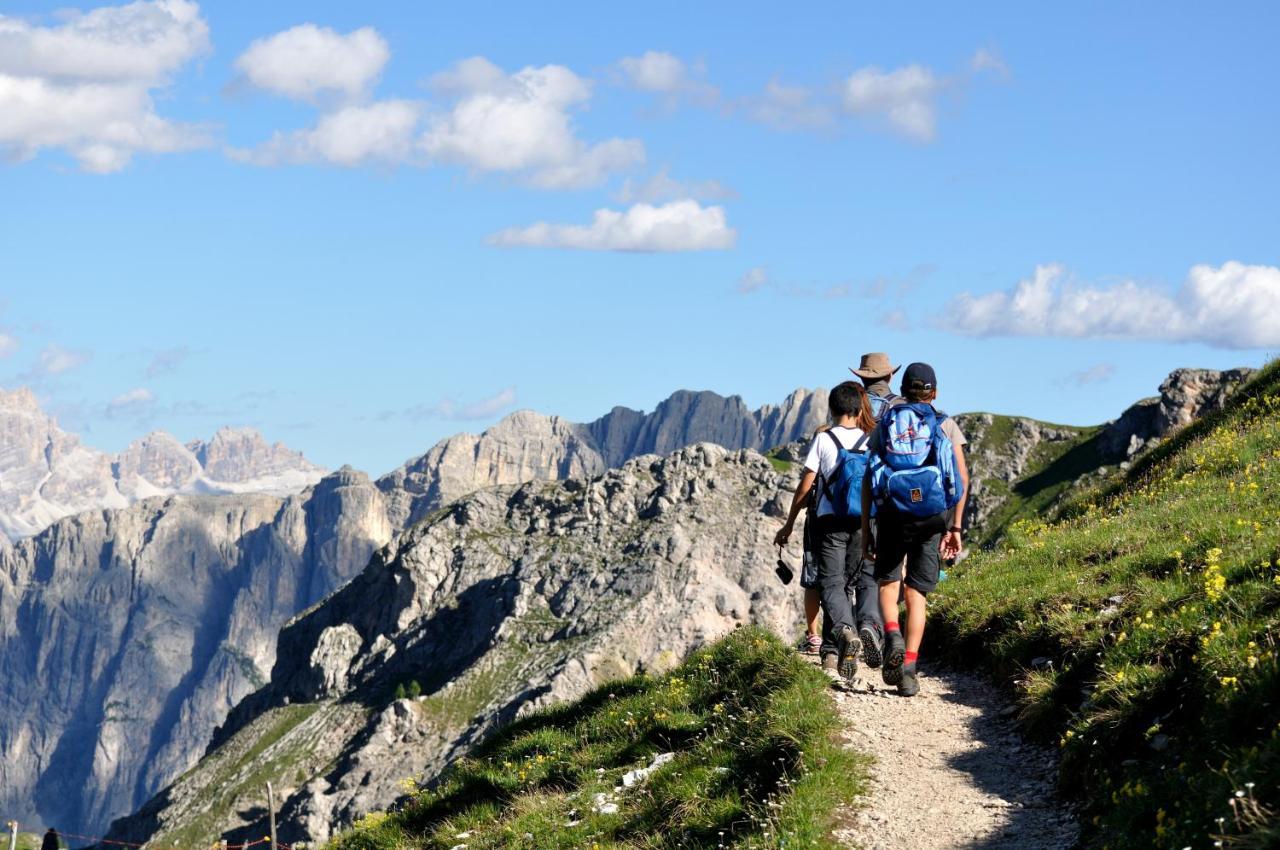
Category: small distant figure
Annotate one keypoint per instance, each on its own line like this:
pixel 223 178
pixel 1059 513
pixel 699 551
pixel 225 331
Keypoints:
pixel 50 841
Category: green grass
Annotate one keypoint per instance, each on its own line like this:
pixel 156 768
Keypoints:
pixel 1141 635
pixel 756 764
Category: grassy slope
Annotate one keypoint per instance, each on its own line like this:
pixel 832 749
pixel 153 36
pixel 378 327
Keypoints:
pixel 1141 634
pixel 756 765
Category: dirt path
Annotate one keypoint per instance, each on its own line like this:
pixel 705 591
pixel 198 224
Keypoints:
pixel 951 771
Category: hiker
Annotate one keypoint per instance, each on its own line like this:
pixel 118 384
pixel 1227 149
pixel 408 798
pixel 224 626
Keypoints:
pixel 874 369
pixel 50 841
pixel 836 462
pixel 918 481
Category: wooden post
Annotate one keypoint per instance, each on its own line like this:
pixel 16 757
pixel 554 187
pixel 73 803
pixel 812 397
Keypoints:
pixel 13 835
pixel 271 813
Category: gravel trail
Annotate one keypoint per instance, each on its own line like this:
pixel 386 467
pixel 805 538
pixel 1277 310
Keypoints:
pixel 951 770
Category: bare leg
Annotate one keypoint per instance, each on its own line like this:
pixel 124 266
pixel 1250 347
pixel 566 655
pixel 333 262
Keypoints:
pixel 916 609
pixel 812 609
pixel 889 592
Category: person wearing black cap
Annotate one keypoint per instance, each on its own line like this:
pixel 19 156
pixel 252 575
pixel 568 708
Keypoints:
pixel 921 540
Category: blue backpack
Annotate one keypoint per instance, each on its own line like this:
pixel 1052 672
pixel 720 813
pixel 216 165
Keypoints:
pixel 914 470
pixel 879 403
pixel 844 489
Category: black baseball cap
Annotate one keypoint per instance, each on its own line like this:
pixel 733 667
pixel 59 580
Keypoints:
pixel 919 376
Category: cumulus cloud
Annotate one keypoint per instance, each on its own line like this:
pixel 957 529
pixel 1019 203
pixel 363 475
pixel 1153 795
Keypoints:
pixel 662 73
pixel 55 360
pixel 1096 374
pixel 450 409
pixel 987 59
pixel 753 280
pixel 521 124
pixel 1233 306
pixel 8 344
pixel 677 226
pixel 307 61
pixel 131 402
pixel 379 132
pixel 789 108
pixel 166 360
pixel 904 98
pixel 85 85
pixel 663 187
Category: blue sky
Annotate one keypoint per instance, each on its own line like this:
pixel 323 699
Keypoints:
pixel 1054 206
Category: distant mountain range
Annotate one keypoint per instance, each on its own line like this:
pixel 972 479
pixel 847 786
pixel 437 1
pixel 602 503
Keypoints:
pixel 47 473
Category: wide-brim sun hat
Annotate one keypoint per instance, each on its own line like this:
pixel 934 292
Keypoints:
pixel 875 365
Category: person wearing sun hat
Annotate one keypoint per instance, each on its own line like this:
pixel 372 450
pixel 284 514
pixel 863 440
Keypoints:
pixel 874 370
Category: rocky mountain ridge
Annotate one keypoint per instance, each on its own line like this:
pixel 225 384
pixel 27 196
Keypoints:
pixel 529 446
pixel 509 599
pixel 46 473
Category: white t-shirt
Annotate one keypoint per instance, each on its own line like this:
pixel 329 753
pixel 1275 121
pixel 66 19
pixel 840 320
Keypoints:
pixel 823 457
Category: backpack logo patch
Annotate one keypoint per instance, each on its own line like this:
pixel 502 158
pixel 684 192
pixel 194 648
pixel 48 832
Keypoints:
pixel 916 495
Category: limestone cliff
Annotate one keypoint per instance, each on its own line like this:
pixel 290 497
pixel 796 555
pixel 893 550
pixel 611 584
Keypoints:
pixel 507 600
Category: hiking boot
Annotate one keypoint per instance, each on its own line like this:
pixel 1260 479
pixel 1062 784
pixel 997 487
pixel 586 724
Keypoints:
pixel 895 651
pixel 830 663
pixel 870 646
pixel 810 645
pixel 847 646
pixel 910 685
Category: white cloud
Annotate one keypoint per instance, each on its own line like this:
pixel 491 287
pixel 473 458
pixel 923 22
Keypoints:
pixel 755 279
pixel 8 344
pixel 663 73
pixel 379 132
pixel 1232 306
pixel 485 408
pixel 166 360
pixel 677 226
pixel 307 60
pixel 789 108
pixel 1095 374
pixel 663 187
pixel 987 59
pixel 520 124
pixel 85 85
pixel 130 402
pixel 905 98
pixel 55 360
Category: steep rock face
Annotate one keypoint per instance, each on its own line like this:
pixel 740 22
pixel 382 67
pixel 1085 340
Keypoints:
pixel 507 600
pixel 126 636
pixel 1184 396
pixel 528 446
pixel 46 474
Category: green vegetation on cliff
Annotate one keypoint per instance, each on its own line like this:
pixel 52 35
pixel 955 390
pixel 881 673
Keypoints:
pixel 1141 634
pixel 754 762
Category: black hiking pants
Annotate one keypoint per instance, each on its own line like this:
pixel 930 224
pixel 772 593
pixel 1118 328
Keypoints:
pixel 844 577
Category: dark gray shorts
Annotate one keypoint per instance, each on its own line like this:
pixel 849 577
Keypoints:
pixel 914 538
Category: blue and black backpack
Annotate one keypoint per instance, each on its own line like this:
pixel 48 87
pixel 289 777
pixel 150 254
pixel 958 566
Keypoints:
pixel 843 489
pixel 914 470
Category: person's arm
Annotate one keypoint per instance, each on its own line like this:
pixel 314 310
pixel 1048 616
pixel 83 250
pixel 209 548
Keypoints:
pixel 797 505
pixel 868 542
pixel 951 542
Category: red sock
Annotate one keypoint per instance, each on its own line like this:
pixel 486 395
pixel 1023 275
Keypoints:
pixel 891 627
pixel 910 657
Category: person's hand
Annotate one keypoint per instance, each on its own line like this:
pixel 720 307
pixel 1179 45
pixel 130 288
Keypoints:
pixel 868 546
pixel 783 535
pixel 951 544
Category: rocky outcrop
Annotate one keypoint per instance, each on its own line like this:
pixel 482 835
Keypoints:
pixel 508 600
pixel 46 473
pixel 126 636
pixel 528 446
pixel 1184 396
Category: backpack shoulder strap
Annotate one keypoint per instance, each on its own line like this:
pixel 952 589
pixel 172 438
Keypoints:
pixel 862 443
